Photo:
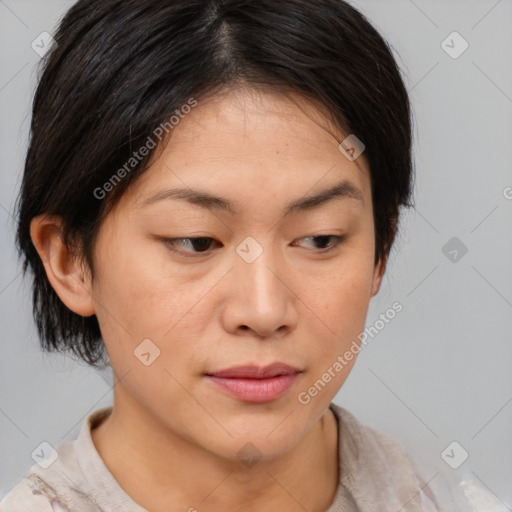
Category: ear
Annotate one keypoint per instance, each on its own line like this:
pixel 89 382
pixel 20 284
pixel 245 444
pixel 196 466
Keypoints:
pixel 378 274
pixel 380 266
pixel 66 275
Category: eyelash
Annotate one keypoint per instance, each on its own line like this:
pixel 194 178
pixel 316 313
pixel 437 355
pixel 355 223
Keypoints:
pixel 169 243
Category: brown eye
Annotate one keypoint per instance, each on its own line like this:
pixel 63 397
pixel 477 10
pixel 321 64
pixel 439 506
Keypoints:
pixel 323 241
pixel 198 245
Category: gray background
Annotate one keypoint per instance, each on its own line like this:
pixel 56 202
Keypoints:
pixel 441 370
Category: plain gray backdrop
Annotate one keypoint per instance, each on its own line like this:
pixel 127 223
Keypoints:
pixel 440 371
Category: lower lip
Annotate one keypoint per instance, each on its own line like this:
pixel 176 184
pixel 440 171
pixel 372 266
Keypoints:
pixel 256 390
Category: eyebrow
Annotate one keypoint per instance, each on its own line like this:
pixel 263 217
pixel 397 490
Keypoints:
pixel 343 190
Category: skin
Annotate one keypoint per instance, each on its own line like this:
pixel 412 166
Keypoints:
pixel 172 439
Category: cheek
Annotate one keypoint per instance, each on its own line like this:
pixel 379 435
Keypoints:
pixel 138 301
pixel 342 303
pixel 143 312
pixel 137 293
pixel 346 293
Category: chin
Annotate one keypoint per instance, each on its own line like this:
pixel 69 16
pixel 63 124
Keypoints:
pixel 264 444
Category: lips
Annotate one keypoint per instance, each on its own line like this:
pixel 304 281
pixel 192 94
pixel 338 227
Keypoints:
pixel 254 383
pixel 256 372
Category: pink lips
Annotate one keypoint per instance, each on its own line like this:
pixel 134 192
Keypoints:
pixel 254 383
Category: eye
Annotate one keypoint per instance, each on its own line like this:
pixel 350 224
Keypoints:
pixel 323 241
pixel 199 244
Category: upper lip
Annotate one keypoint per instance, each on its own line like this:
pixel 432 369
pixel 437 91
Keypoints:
pixel 256 372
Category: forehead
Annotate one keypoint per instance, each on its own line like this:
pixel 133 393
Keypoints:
pixel 244 144
pixel 244 122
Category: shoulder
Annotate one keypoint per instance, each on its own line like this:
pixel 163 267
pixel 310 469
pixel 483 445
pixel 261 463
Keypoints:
pixel 375 468
pixel 380 467
pixel 61 487
pixel 65 480
pixel 31 493
pixel 363 444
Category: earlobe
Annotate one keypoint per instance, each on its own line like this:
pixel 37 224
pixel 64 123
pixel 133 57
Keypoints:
pixel 63 269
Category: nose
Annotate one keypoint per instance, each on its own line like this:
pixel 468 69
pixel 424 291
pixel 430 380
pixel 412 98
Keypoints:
pixel 260 296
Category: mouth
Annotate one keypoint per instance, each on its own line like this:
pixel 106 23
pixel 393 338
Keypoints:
pixel 255 384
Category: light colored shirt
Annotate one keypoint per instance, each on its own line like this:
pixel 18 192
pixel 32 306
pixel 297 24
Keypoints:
pixel 376 475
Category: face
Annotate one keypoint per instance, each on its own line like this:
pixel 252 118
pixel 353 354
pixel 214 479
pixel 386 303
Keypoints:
pixel 187 286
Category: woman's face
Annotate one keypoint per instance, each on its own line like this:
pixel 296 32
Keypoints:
pixel 258 288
